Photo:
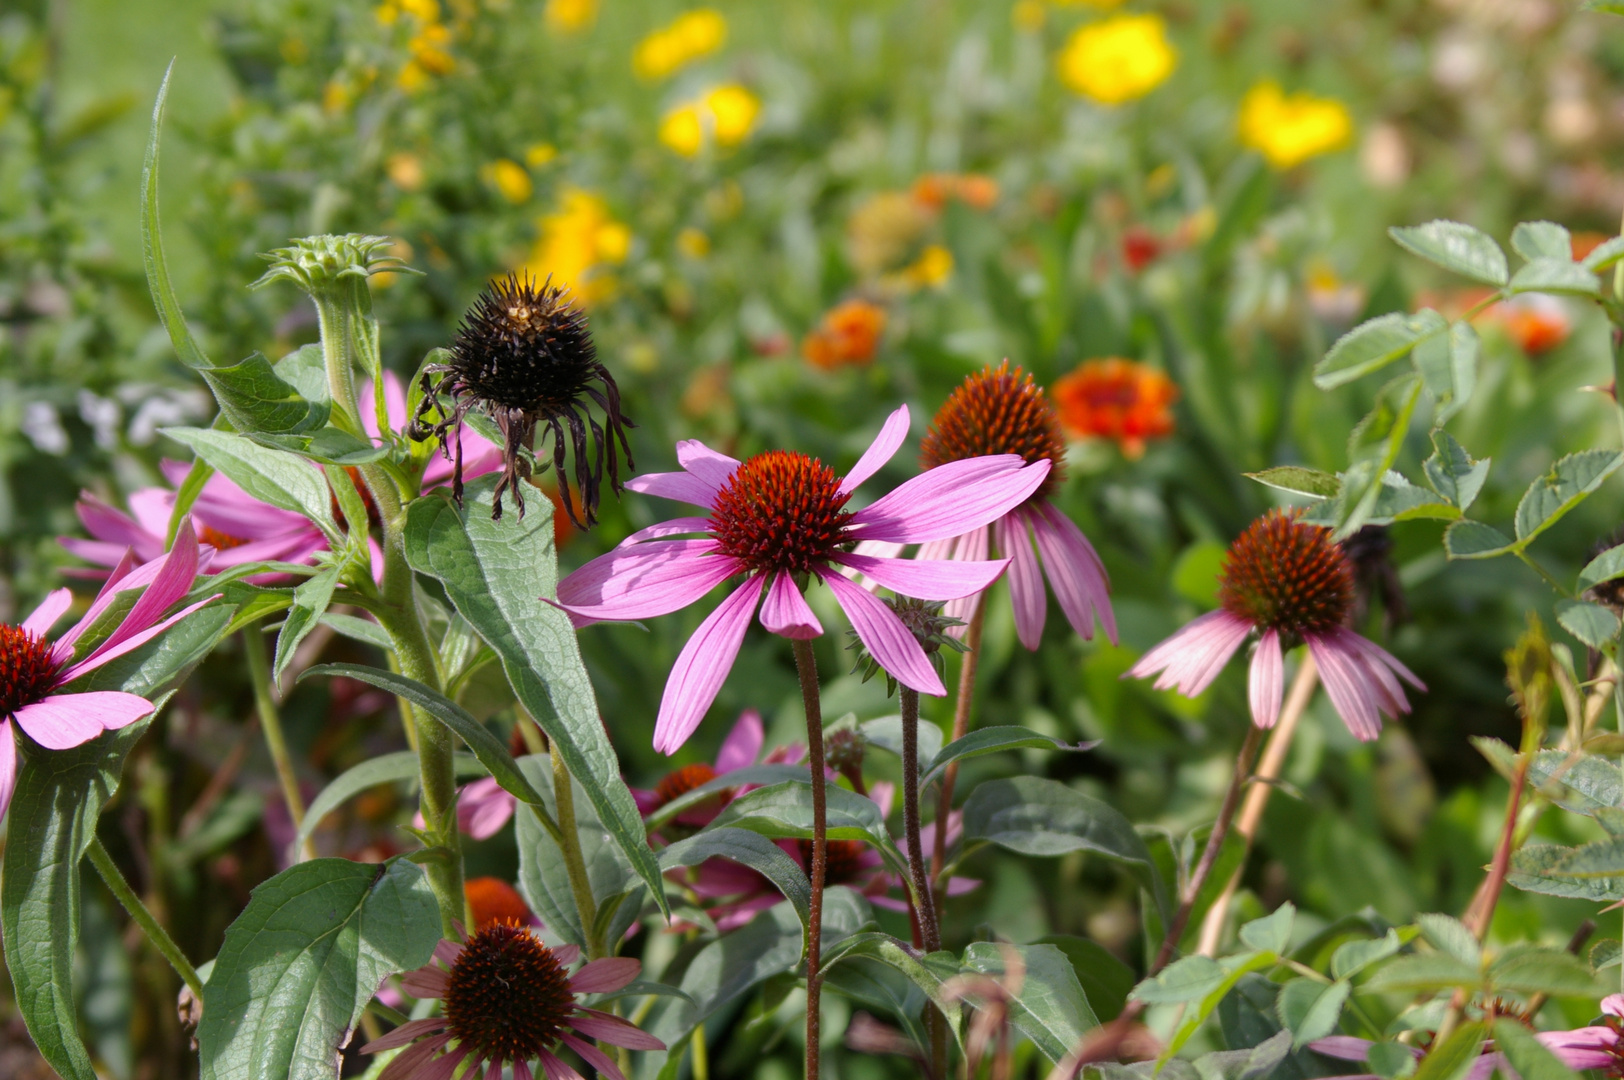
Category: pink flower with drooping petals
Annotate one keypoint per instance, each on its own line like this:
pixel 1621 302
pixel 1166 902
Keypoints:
pixel 1291 582
pixel 509 1000
pixel 33 669
pixel 780 519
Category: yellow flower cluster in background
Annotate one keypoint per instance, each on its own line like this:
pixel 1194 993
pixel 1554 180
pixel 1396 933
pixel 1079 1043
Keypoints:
pixel 576 242
pixel 1118 59
pixel 568 16
pixel 1288 130
pixel 725 113
pixel 429 46
pixel 693 35
pixel 510 179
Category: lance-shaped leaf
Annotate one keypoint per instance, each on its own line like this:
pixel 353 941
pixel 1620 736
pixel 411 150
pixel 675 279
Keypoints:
pixel 387 769
pixel 51 822
pixel 926 974
pixel 784 812
pixel 991 740
pixel 303 960
pixel 747 849
pixel 1050 1007
pixel 1454 246
pixel 499 575
pixel 1299 480
pixel 1373 345
pixel 759 775
pixel 270 476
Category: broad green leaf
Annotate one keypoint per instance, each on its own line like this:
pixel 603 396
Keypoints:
pixel 491 751
pixel 991 740
pixel 328 446
pixel 1105 979
pixel 784 811
pixel 302 961
pixel 363 630
pixel 1537 969
pixel 1235 969
pixel 1534 868
pixel 1266 1059
pixel 1272 933
pixel 1449 936
pixel 1352 957
pixel 1605 954
pixel 747 849
pixel 1455 1058
pixel 886 733
pixel 50 824
pixel 1456 247
pixel 1530 1057
pixel 1037 816
pixel 1433 971
pixel 761 775
pixel 1050 1007
pixel 1375 445
pixel 1399 500
pixel 497 574
pixel 1599 859
pixel 1447 364
pixel 1452 472
pixel 1189 978
pixel 1299 479
pixel 879 986
pixel 1609 251
pixel 1475 540
pixel 1560 490
pixel 386 769
pixel 1556 276
pixel 1391 1060
pixel 887 950
pixel 1373 345
pixel 163 660
pixel 1542 240
pixel 310 602
pixel 1592 624
pixel 270 476
pixel 1604 567
pixel 1310 1009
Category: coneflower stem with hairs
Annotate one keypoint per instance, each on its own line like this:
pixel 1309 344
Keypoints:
pixel 156 934
pixel 574 862
pixel 270 721
pixel 806 666
pixel 962 704
pixel 924 900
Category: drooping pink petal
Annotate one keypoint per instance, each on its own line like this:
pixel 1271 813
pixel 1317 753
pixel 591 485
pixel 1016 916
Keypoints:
pixel 66 720
pixel 677 486
pixel 712 467
pixel 404 1034
pixel 606 975
pixel 663 529
pixel 426 982
pixel 172 581
pixel 1347 684
pixel 447 952
pixel 882 449
pixel 52 608
pixel 227 508
pixel 732 916
pixel 521 1071
pixel 1613 1005
pixel 881 793
pixel 641 582
pixel 891 643
pixel 949 499
pixel 1191 659
pixel 483 808
pixel 596 1058
pixel 1349 1048
pixel 1385 659
pixel 942 580
pixel 555 1067
pixel 1076 574
pixel 152 508
pixel 91 551
pixel 106 653
pixel 113 526
pixel 8 765
pixel 702 666
pixel 1266 681
pixel 406 1064
pixel 1026 593
pixel 612 1029
pixel 444 1067
pixel 973 546
pixel 1582 1048
pixel 567 954
pixel 785 611
pixel 743 744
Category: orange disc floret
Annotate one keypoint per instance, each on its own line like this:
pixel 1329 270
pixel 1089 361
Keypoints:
pixel 1116 399
pixel 997 411
pixel 976 190
pixel 27 671
pixel 493 901
pixel 781 510
pixel 507 995
pixel 849 333
pixel 674 785
pixel 1284 575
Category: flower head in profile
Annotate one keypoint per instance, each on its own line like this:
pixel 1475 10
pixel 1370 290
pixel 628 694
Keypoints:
pixel 36 671
pixel 1118 59
pixel 1289 129
pixel 509 1000
pixel 781 520
pixel 1000 411
pixel 1116 399
pixel 525 358
pixel 1290 582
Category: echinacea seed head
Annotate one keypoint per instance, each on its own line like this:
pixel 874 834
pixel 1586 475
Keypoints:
pixel 1282 574
pixel 524 347
pixel 781 510
pixel 27 672
pixel 507 995
pixel 998 411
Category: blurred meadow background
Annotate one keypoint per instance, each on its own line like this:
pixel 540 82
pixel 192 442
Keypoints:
pixel 785 218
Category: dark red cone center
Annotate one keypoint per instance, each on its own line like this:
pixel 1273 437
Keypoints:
pixel 1287 576
pixel 27 672
pixel 781 510
pixel 998 411
pixel 507 995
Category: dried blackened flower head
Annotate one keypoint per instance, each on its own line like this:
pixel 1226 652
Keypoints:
pixel 524 357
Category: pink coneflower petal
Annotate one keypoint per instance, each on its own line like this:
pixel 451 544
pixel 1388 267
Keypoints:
pixel 644 581
pixel 1613 1005
pixel 890 642
pixel 605 976
pixel 949 499
pixel 447 952
pixel 663 529
pixel 1191 659
pixel 743 744
pixel 1026 593
pixel 113 527
pixel 8 765
pixel 647 801
pixel 91 551
pixel 703 665
pixel 567 954
pixel 1266 681
pixel 407 1063
pixel 405 1033
pixel 1385 659
pixel 67 720
pixel 152 507
pixel 972 546
pixel 444 1067
pixel 1347 684
pixel 709 465
pixel 677 486
pixel 732 916
pixel 483 808
pixel 594 1057
pixel 1075 571
pixel 556 1069
pixel 612 1029
pixel 521 1071
pixel 52 608
pixel 107 652
pixel 882 449
pixel 785 611
pixel 425 982
pixel 941 580
pixel 172 581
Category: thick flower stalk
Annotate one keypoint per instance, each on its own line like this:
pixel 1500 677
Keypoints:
pixel 1289 582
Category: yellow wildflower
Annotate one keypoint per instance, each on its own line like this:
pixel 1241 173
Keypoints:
pixel 412 77
pixel 540 154
pixel 884 229
pixel 406 170
pixel 510 179
pixel 933 267
pixel 693 35
pixel 734 110
pixel 576 242
pixel 1118 59
pixel 1290 130
pixel 386 13
pixel 683 130
pixel 335 96
pixel 426 11
pixel 568 16
pixel 1028 15
pixel 1098 5
pixel 429 50
pixel 693 243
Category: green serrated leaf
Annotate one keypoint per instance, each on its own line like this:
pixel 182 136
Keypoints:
pixel 1435 971
pixel 1311 1009
pixel 1373 345
pixel 1272 933
pixel 1300 480
pixel 1609 251
pixel 1542 240
pixel 1447 364
pixel 497 574
pixel 302 961
pixel 1453 473
pixel 1455 246
pixel 1537 969
pixel 1590 623
pixel 1560 490
pixel 1450 936
pixel 1189 978
pixel 1352 957
pixel 1604 567
pixel 1560 276
pixel 1475 540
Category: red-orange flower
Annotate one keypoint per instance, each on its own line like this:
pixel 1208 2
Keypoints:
pixel 849 333
pixel 493 900
pixel 933 190
pixel 1116 399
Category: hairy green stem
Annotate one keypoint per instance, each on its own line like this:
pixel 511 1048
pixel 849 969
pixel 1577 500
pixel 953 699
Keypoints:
pixel 270 720
pixel 574 862
pixel 806 666
pixel 156 934
pixel 342 311
pixel 924 898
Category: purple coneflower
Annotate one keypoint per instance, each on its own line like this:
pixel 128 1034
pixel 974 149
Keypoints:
pixel 780 519
pixel 509 1000
pixel 33 669
pixel 1293 583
